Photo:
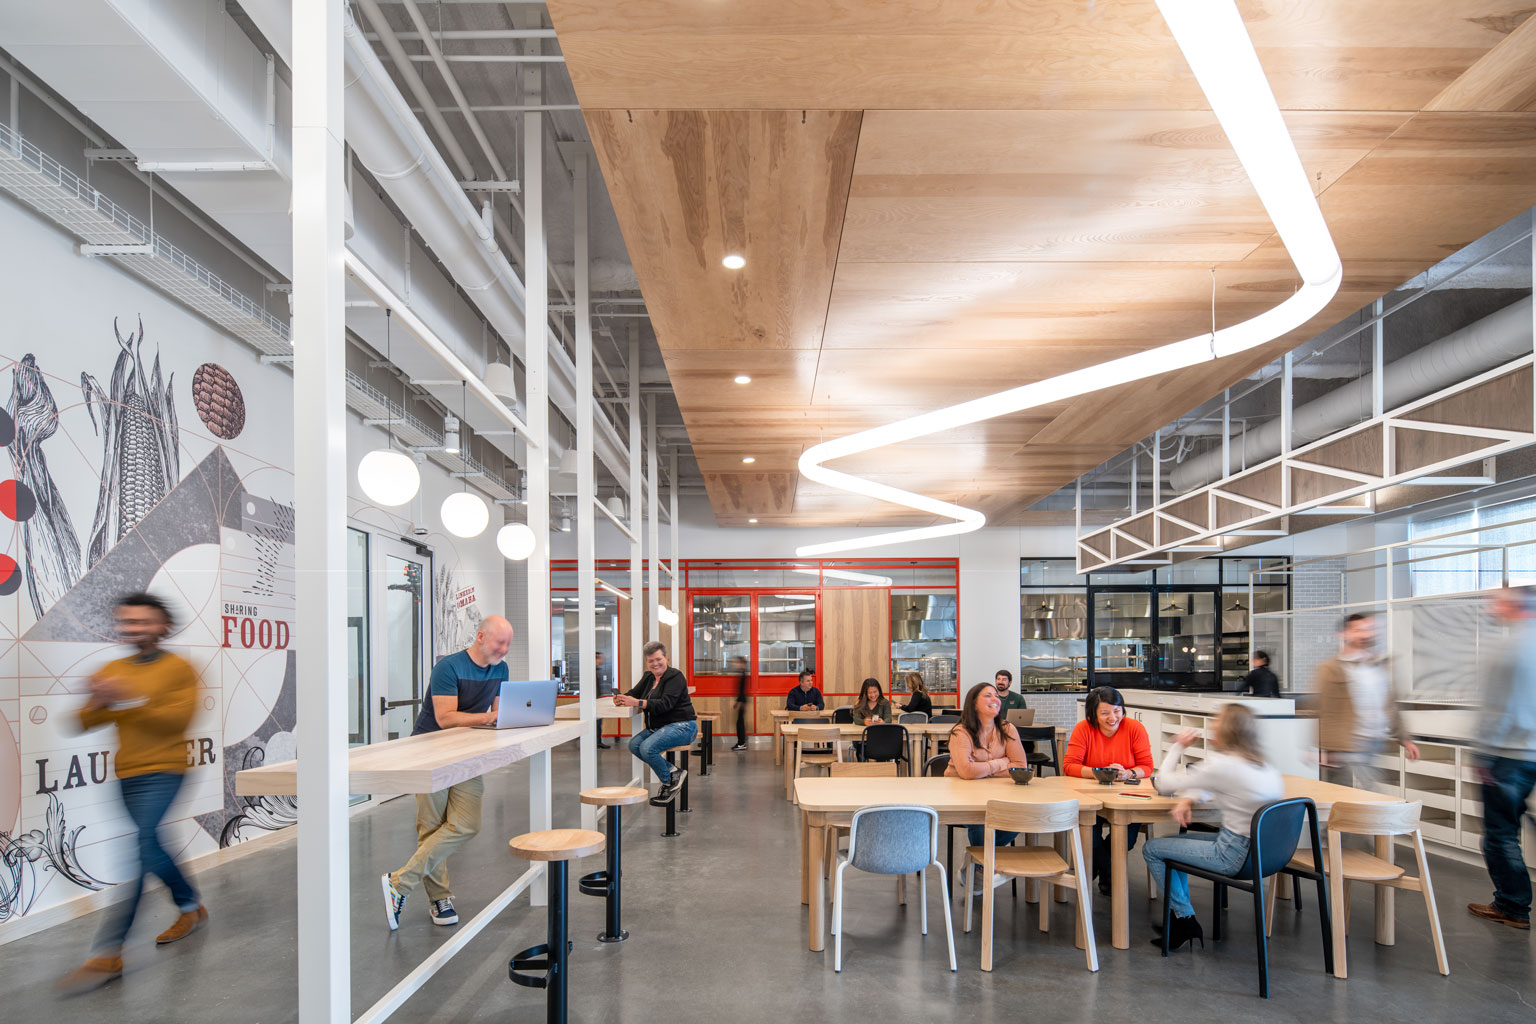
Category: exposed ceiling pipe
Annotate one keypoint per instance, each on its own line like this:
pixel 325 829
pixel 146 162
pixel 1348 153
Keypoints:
pixel 1496 338
pixel 391 143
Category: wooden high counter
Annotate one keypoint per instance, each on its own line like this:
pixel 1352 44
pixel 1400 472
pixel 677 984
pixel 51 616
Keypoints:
pixel 419 764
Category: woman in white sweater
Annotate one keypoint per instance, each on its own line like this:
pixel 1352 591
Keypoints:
pixel 1233 778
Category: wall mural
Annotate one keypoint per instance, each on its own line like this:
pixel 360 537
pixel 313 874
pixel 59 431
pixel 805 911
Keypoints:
pixel 216 540
pixel 458 612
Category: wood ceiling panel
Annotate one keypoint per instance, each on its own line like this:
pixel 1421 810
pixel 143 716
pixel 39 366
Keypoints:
pixel 1043 54
pixel 1038 186
pixel 691 186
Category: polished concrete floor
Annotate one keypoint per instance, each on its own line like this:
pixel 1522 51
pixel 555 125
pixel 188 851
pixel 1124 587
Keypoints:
pixel 718 933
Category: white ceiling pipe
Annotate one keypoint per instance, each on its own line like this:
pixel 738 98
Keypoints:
pixel 1495 339
pixel 391 143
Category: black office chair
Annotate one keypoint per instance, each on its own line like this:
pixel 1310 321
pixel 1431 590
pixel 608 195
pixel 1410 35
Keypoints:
pixel 842 716
pixel 1029 735
pixel 937 765
pixel 1275 834
pixel 887 743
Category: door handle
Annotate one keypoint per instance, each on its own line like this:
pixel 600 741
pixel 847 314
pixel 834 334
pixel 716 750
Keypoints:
pixel 385 705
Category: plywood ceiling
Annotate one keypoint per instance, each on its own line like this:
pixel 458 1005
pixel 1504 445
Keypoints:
pixel 941 200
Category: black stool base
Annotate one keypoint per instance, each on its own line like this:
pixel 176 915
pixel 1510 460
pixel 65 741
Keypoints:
pixel 595 884
pixel 530 968
pixel 605 937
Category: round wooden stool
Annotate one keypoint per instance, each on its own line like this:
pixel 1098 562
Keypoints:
pixel 606 883
pixel 544 966
pixel 679 801
pixel 707 720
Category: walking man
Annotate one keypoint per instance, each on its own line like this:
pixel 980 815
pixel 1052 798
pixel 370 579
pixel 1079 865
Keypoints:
pixel 662 694
pixel 150 697
pixel 1261 681
pixel 463 692
pixel 605 688
pixel 1507 765
pixel 1358 712
pixel 739 669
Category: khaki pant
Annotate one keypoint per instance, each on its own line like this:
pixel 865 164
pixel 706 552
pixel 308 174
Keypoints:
pixel 444 820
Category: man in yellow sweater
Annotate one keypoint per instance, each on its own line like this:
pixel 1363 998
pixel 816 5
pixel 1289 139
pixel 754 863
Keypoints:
pixel 150 697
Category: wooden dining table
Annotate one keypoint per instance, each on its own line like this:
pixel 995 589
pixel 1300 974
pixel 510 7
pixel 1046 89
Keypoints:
pixel 825 801
pixel 783 715
pixel 918 734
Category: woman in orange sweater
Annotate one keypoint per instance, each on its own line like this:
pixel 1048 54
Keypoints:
pixel 1105 738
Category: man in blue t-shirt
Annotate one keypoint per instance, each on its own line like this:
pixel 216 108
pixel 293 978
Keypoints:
pixel 463 691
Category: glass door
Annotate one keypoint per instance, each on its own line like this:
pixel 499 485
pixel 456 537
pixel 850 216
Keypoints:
pixel 786 638
pixel 401 636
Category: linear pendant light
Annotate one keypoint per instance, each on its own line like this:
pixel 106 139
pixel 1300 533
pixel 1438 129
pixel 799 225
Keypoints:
pixel 1215 42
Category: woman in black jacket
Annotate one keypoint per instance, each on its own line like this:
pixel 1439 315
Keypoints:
pixel 920 700
pixel 662 694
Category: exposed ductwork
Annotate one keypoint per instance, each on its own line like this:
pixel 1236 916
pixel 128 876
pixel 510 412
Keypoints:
pixel 388 140
pixel 1495 339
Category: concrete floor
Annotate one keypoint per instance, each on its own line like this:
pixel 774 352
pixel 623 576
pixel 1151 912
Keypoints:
pixel 718 933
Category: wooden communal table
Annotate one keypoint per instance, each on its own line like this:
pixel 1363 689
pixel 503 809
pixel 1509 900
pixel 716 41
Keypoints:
pixel 917 734
pixel 783 715
pixel 1125 805
pixel 421 764
pixel 825 802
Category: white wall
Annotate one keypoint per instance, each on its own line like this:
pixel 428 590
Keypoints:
pixel 236 559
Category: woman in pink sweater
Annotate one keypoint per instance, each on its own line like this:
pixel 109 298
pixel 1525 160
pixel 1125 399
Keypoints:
pixel 982 745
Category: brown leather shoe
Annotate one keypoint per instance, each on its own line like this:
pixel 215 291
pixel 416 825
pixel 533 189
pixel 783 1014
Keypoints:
pixel 95 972
pixel 189 922
pixel 1490 912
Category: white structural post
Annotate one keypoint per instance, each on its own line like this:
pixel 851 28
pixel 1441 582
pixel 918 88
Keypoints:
pixel 677 609
pixel 320 495
pixel 636 502
pixel 536 365
pixel 653 596
pixel 586 496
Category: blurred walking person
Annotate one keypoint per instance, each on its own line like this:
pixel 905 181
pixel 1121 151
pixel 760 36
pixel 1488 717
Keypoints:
pixel 1506 732
pixel 150 697
pixel 1358 717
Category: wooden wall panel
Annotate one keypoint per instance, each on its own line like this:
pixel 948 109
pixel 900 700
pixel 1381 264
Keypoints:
pixel 855 639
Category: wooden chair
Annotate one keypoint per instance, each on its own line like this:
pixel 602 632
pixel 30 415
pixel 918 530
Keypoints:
pixel 1347 865
pixel 1041 863
pixel 809 734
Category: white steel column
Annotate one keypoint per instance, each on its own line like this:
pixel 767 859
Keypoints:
pixel 677 609
pixel 320 495
pixel 536 365
pixel 636 502
pixel 653 595
pixel 586 515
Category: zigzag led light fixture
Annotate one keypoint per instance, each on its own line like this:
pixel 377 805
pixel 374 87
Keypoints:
pixel 1216 45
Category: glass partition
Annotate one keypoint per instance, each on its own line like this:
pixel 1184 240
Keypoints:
pixel 722 631
pixel 786 633
pixel 1053 644
pixel 924 633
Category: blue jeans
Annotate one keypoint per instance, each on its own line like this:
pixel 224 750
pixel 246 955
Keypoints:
pixel 649 744
pixel 1222 852
pixel 1506 786
pixel 977 834
pixel 146 798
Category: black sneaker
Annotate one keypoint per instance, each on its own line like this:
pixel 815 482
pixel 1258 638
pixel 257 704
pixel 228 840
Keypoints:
pixel 443 912
pixel 740 746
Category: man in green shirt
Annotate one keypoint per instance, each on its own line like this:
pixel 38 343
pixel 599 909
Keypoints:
pixel 1012 701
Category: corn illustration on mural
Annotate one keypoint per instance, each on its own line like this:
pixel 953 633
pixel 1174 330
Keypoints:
pixel 140 442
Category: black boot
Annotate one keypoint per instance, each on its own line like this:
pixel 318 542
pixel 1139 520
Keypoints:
pixel 1185 929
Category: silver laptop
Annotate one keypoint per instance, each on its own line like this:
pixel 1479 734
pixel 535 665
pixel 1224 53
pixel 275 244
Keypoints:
pixel 525 704
pixel 1021 718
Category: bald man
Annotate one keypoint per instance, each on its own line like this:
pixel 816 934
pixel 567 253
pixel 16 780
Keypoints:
pixel 463 693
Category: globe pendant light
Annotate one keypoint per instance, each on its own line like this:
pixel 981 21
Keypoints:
pixel 388 477
pixel 465 514
pixel 515 541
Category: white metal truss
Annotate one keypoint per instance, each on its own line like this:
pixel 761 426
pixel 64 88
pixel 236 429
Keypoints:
pixel 106 229
pixel 1483 416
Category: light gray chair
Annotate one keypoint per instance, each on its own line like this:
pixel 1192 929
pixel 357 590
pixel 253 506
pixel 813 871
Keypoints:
pixel 911 717
pixel 895 839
